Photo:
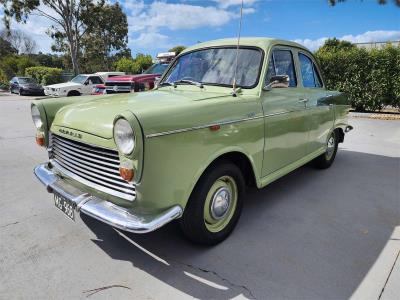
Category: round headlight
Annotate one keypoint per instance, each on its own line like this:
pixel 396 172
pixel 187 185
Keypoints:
pixel 124 136
pixel 36 117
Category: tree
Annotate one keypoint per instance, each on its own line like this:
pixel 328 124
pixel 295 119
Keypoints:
pixel 126 65
pixel 333 2
pixel 6 48
pixel 177 49
pixel 336 45
pixel 143 62
pixel 106 34
pixel 134 66
pixel 22 42
pixel 65 17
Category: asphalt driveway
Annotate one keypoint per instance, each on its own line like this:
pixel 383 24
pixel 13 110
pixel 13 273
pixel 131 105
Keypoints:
pixel 311 235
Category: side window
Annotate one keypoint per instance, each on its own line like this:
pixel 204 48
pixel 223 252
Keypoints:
pixel 281 63
pixel 309 72
pixel 94 80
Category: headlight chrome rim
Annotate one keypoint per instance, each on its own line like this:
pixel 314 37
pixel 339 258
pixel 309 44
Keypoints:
pixel 124 136
pixel 37 120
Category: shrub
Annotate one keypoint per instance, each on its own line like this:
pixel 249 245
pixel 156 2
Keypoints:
pixel 126 65
pixel 45 75
pixel 4 82
pixel 134 66
pixel 371 78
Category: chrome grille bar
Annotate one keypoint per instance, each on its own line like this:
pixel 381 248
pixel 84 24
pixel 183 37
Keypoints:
pixel 91 165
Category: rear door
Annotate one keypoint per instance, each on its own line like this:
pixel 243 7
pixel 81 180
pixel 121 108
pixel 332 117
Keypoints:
pixel 286 125
pixel 321 114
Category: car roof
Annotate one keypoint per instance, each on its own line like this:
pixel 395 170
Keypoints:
pixel 261 42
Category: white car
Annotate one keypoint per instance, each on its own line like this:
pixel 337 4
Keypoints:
pixel 82 84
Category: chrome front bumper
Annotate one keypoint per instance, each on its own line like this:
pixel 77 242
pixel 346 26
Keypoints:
pixel 103 210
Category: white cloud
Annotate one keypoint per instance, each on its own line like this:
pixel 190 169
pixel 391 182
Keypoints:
pixel 373 36
pixel 151 40
pixel 178 16
pixel 229 3
pixel 366 37
pixel 147 21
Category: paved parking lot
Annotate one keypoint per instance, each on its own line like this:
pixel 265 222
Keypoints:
pixel 310 235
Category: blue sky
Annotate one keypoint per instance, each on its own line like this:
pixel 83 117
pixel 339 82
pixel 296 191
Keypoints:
pixel 156 25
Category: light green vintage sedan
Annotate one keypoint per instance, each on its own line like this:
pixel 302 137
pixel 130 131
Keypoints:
pixel 220 120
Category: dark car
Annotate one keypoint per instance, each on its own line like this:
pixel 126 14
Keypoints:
pixel 25 86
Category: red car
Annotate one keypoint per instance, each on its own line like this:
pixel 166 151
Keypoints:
pixel 135 83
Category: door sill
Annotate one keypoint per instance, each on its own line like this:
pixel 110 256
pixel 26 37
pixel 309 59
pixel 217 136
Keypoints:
pixel 289 168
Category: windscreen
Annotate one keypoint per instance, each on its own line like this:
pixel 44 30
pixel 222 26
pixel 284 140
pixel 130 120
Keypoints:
pixel 216 66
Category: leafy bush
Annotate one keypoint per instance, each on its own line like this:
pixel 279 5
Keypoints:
pixel 134 66
pixel 371 78
pixel 45 75
pixel 4 83
pixel 13 65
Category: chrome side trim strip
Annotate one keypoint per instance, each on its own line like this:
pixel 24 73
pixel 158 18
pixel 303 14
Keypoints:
pixel 277 113
pixel 148 136
pixel 201 127
pixel 102 210
pixel 96 186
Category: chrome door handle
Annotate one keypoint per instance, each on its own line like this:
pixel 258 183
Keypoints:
pixel 303 100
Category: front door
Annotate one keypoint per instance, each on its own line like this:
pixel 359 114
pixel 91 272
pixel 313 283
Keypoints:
pixel 286 126
pixel 321 114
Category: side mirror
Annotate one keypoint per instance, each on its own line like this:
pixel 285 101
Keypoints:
pixel 86 83
pixel 278 81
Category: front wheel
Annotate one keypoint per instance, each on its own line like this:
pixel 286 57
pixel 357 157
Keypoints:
pixel 215 205
pixel 326 159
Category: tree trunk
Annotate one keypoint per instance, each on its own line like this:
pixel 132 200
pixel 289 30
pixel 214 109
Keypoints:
pixel 73 49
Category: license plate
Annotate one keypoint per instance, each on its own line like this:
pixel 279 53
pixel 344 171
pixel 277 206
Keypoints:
pixel 65 205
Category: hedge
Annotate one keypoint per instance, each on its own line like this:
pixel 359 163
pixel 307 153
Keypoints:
pixel 45 75
pixel 371 78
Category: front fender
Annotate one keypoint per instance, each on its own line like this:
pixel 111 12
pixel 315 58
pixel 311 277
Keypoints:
pixel 174 163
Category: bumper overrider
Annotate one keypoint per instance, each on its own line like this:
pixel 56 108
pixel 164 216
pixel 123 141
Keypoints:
pixel 102 210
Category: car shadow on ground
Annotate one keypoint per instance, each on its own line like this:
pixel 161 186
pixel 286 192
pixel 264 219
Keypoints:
pixel 312 234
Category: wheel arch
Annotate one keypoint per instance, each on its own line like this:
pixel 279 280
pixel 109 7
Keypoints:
pixel 236 156
pixel 73 93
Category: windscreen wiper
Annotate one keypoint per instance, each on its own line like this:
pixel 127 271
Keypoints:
pixel 192 82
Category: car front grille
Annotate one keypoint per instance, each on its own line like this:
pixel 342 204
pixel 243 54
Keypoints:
pixel 122 83
pixel 90 165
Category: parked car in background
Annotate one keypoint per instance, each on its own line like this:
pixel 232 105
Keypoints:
pixel 82 84
pixel 25 86
pixel 136 83
pixel 188 149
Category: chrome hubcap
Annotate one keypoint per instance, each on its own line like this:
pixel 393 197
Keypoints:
pixel 220 203
pixel 331 146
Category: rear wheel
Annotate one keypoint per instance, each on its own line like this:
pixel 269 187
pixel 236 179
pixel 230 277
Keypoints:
pixel 215 205
pixel 326 159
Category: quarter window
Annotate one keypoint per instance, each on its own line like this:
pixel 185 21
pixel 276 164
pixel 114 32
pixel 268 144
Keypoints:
pixel 309 74
pixel 281 63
